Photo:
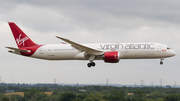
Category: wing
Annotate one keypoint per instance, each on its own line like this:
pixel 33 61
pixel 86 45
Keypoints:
pixel 82 48
pixel 17 49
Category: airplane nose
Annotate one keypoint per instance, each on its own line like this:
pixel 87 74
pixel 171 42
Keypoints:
pixel 173 53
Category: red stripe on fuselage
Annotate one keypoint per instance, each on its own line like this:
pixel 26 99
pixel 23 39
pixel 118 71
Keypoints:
pixel 31 50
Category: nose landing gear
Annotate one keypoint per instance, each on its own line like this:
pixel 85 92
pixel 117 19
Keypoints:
pixel 161 61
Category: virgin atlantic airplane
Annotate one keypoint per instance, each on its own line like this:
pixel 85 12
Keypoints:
pixel 109 52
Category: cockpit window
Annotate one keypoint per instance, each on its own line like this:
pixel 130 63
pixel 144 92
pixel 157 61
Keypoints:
pixel 168 48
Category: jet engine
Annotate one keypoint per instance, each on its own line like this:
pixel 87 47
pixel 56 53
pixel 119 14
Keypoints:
pixel 112 57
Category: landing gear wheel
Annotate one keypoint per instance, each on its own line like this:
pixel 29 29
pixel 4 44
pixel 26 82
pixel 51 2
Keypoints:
pixel 93 64
pixel 89 65
pixel 161 62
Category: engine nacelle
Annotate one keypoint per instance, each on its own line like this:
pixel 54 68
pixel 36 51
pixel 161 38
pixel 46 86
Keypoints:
pixel 112 57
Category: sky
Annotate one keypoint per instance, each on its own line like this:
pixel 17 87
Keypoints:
pixel 91 21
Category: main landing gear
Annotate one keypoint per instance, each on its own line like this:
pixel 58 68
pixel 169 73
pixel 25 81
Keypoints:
pixel 161 61
pixel 91 64
pixel 91 58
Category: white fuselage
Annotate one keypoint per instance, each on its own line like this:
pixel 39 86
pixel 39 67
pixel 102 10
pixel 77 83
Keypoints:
pixel 127 51
pixel 109 52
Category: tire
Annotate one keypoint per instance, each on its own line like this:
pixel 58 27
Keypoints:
pixel 89 65
pixel 93 64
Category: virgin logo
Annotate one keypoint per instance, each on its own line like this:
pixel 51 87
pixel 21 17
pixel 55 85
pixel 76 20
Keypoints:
pixel 21 41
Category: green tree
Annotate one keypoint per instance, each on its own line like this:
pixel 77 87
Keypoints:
pixel 67 96
pixel 93 96
pixel 77 99
pixel 52 98
pixel 116 95
pixel 128 99
pixel 159 99
pixel 171 97
pixel 55 92
pixel 81 96
pixel 30 93
pixel 90 99
pixel 139 95
pixel 105 97
pixel 41 95
pixel 157 94
pixel 34 95
pixel 5 98
pixel 45 88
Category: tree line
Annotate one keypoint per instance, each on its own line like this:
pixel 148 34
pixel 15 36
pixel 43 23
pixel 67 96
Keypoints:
pixel 93 93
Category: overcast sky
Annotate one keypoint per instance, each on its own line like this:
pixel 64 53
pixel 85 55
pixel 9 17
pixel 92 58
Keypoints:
pixel 91 21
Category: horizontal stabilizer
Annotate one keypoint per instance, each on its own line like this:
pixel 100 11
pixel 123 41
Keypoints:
pixel 17 49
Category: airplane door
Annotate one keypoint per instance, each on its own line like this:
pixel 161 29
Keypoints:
pixel 159 48
pixel 41 51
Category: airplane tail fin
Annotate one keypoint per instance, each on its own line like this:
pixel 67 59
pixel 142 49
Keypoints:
pixel 22 40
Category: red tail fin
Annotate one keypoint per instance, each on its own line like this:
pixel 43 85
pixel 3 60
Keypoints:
pixel 22 40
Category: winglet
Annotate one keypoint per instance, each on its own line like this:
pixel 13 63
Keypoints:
pixel 59 37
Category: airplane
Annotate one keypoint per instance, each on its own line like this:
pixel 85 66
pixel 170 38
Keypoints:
pixel 70 50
